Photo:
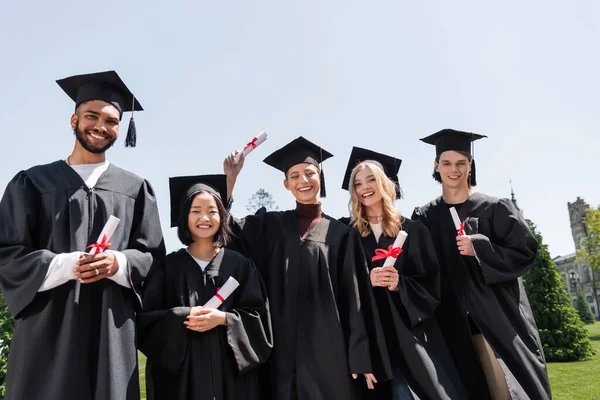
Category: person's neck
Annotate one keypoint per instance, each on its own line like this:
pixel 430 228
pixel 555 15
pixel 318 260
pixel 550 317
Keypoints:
pixel 456 195
pixel 374 213
pixel 311 201
pixel 82 156
pixel 203 249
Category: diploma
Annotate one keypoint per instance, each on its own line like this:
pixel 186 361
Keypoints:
pixel 392 251
pixel 103 239
pixel 460 227
pixel 222 293
pixel 251 145
pixel 101 244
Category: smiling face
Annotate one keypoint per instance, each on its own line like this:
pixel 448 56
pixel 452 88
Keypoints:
pixel 366 187
pixel 454 169
pixel 204 219
pixel 304 181
pixel 96 125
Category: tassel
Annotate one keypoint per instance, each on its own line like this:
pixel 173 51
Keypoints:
pixel 473 178
pixel 131 138
pixel 399 193
pixel 323 192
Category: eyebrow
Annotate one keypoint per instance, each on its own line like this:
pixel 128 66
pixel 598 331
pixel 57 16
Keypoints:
pixel 92 112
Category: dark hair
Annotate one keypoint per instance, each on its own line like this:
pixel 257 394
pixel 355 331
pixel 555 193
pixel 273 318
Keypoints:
pixel 222 236
pixel 472 180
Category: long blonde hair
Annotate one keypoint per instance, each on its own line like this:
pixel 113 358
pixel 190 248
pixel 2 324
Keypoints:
pixel 391 222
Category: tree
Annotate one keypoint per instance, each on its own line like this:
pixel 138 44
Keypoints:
pixel 588 252
pixel 261 198
pixel 7 325
pixel 563 334
pixel 583 309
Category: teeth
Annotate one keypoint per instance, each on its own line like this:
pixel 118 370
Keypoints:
pixel 367 194
pixel 203 226
pixel 98 137
pixel 304 189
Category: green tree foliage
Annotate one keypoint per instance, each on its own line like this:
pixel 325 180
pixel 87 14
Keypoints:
pixel 583 309
pixel 7 325
pixel 589 248
pixel 563 334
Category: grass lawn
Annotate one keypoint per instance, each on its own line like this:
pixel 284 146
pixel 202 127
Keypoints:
pixel 578 380
pixel 569 381
pixel 142 368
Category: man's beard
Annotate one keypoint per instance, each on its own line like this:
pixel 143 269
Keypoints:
pixel 82 138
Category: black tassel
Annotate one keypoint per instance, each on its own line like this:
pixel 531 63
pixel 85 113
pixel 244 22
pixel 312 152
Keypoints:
pixel 473 178
pixel 131 138
pixel 323 192
pixel 399 192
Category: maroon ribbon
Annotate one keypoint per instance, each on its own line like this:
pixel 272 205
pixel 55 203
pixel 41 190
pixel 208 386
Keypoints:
pixel 461 230
pixel 101 246
pixel 251 143
pixel 218 296
pixel 390 252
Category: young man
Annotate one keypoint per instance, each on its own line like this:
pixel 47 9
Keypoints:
pixel 484 311
pixel 316 276
pixel 75 335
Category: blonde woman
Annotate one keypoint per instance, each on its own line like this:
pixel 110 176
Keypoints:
pixel 407 293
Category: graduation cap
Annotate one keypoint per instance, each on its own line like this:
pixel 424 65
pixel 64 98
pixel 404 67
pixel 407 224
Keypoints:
pixel 105 86
pixel 299 151
pixel 450 139
pixel 388 164
pixel 182 188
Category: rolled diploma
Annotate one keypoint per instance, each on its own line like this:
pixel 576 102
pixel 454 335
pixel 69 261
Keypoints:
pixel 223 293
pixel 108 230
pixel 455 218
pixel 258 140
pixel 398 243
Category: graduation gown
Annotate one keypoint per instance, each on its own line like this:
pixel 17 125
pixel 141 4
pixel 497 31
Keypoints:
pixel 314 287
pixel 218 364
pixel 414 341
pixel 488 289
pixel 70 351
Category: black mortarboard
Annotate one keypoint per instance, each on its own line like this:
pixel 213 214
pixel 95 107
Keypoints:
pixel 105 86
pixel 296 152
pixel 183 187
pixel 450 139
pixel 388 164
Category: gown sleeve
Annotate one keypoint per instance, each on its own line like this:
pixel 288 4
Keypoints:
pixel 513 250
pixel 419 281
pixel 23 266
pixel 146 247
pixel 352 277
pixel 162 335
pixel 247 233
pixel 249 332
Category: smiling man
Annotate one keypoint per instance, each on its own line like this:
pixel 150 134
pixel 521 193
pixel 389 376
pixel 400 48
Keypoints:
pixel 75 335
pixel 484 312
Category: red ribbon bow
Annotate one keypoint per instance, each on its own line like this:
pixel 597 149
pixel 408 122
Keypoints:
pixel 218 296
pixel 251 143
pixel 101 246
pixel 461 230
pixel 390 252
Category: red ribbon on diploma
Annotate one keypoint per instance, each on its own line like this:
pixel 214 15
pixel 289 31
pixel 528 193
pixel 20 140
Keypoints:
pixel 218 296
pixel 103 245
pixel 390 252
pixel 461 230
pixel 251 143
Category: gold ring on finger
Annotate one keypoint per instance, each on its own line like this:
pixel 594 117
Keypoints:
pixel 97 272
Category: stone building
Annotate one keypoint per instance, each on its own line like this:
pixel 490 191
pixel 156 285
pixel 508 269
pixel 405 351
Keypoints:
pixel 577 275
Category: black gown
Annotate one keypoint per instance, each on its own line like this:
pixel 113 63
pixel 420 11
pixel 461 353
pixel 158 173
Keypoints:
pixel 488 289
pixel 314 286
pixel 61 350
pixel 218 364
pixel 414 340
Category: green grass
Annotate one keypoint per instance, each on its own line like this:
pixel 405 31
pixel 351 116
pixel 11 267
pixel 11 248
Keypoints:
pixel 142 368
pixel 578 380
pixel 569 381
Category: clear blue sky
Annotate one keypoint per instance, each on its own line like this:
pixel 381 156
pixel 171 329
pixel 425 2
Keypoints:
pixel 380 74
